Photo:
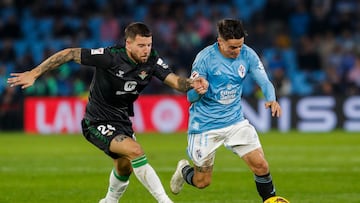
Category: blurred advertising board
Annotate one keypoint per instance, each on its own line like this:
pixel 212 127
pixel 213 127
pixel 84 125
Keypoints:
pixel 169 113
pixel 48 115
pixel 307 114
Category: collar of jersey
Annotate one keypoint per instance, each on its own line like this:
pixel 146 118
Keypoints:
pixel 123 50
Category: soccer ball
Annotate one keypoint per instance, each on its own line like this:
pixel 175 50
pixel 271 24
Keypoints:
pixel 276 199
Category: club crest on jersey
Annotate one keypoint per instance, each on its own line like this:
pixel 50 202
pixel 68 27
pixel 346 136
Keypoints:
pixel 162 64
pixel 241 71
pixel 97 51
pixel 143 75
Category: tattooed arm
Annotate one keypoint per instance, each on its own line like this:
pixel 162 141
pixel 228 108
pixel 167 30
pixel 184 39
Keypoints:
pixel 27 79
pixel 181 84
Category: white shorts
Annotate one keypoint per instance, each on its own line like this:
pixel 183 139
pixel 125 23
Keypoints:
pixel 202 147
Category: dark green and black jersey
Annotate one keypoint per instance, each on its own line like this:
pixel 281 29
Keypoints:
pixel 117 82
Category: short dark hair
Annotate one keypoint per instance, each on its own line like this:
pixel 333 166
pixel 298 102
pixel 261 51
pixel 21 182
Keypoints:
pixel 137 28
pixel 230 29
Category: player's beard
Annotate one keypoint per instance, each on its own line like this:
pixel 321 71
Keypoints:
pixel 141 59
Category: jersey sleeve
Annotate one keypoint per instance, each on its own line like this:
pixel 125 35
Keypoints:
pixel 258 73
pixel 99 57
pixel 197 70
pixel 161 69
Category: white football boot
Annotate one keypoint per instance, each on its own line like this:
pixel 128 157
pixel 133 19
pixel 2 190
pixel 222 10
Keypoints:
pixel 177 181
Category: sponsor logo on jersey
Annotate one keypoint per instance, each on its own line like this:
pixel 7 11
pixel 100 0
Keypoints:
pixel 130 86
pixel 162 64
pixel 228 95
pixel 97 51
pixel 241 71
pixel 122 92
pixel 143 75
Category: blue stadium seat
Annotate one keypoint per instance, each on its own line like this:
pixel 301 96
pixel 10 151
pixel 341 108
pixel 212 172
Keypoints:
pixel 20 46
pixel 6 12
pixel 74 23
pixel 94 25
pixel 28 28
pixel 247 8
pixel 88 43
pixel 299 85
pixel 44 27
pixel 140 13
pixel 56 44
pixel 289 57
pixel 37 50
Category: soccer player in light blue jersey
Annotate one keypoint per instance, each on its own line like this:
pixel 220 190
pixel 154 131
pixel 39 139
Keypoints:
pixel 216 117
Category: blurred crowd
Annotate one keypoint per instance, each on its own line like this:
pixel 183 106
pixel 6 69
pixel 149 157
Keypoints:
pixel 309 47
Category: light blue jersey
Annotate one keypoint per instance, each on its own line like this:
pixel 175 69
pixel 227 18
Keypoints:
pixel 221 106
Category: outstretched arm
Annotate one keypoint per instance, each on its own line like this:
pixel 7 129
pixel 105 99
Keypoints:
pixel 200 85
pixel 27 79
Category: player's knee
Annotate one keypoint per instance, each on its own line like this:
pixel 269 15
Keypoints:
pixel 261 168
pixel 135 152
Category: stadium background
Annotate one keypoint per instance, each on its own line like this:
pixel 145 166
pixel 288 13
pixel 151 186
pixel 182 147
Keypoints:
pixel 310 48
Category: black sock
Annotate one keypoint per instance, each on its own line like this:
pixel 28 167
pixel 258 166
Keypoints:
pixel 188 174
pixel 264 186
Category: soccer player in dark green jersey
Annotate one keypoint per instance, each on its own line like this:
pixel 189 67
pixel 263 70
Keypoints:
pixel 121 73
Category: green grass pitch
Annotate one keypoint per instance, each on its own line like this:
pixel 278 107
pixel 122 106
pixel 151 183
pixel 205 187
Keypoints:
pixel 306 168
